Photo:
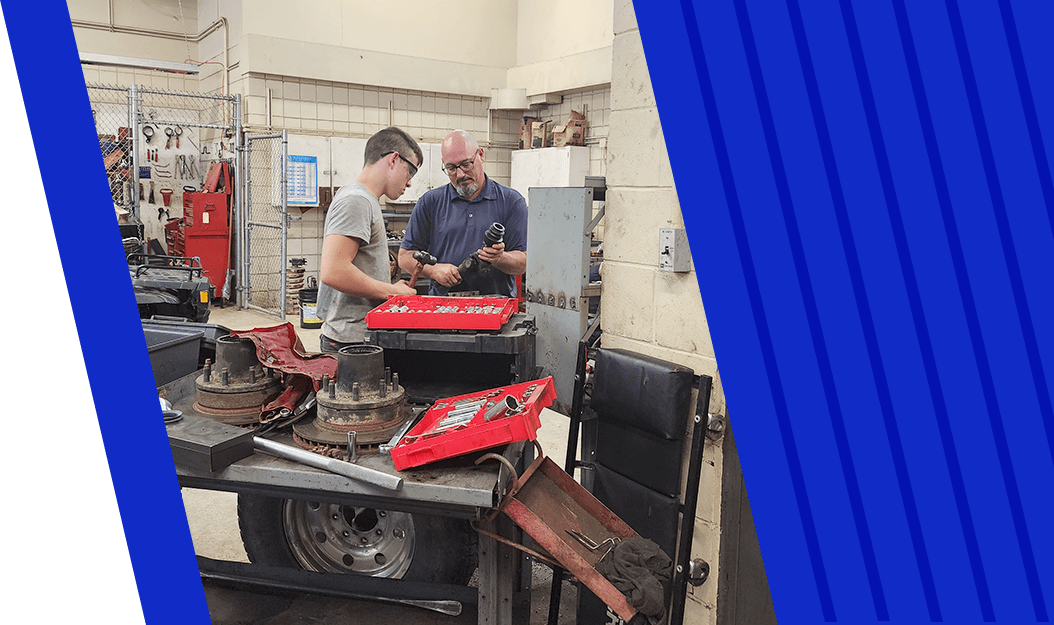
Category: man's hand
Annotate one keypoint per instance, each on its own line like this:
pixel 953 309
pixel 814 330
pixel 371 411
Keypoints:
pixel 492 254
pixel 403 288
pixel 513 262
pixel 444 273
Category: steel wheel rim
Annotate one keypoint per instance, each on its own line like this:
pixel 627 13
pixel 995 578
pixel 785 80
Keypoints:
pixel 326 537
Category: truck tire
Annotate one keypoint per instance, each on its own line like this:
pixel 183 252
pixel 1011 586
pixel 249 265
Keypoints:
pixel 332 538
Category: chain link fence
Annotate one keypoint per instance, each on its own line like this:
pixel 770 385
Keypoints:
pixel 158 147
pixel 266 222
pixel 112 110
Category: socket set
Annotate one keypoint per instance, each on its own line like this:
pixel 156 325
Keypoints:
pixel 429 312
pixel 466 423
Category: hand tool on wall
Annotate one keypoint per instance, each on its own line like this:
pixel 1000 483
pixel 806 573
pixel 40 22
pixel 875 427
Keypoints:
pixel 166 196
pixel 151 200
pixel 148 132
pixel 185 167
pixel 170 133
pixel 178 132
pixel 423 258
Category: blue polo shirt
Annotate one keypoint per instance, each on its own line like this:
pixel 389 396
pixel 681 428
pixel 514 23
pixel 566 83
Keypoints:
pixel 450 228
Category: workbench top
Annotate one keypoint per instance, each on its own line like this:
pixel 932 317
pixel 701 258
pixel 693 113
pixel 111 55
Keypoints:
pixel 456 487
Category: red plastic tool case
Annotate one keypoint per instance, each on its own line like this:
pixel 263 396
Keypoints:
pixel 429 312
pixel 440 435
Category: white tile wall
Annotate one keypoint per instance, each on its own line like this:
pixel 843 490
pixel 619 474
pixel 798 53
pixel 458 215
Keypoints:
pixel 126 77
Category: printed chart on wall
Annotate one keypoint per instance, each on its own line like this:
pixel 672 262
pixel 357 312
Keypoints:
pixel 303 180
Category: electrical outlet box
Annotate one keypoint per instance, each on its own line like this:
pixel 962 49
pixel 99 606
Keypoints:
pixel 673 250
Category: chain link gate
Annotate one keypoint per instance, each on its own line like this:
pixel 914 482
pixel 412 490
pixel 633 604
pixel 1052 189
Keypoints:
pixel 267 222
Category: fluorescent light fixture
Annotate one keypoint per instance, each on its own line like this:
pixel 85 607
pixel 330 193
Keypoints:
pixel 126 61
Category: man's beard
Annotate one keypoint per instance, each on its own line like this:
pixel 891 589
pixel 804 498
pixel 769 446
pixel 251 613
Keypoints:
pixel 465 190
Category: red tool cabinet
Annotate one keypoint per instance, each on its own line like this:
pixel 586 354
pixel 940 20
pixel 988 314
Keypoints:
pixel 207 225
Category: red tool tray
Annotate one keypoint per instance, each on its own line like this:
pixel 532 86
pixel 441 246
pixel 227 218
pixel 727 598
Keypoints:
pixel 552 508
pixel 458 425
pixel 429 312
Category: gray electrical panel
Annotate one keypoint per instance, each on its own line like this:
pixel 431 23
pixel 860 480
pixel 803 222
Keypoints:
pixel 559 229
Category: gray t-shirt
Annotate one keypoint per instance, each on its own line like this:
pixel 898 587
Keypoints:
pixel 354 212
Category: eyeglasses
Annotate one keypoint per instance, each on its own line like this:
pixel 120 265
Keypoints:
pixel 464 166
pixel 413 168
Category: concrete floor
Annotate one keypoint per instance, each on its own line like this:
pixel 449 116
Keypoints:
pixel 212 516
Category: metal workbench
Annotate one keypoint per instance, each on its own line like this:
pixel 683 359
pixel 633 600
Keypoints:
pixel 457 489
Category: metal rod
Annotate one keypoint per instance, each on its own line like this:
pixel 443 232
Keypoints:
pixel 235 274
pixel 205 96
pixel 353 447
pixel 186 124
pixel 450 607
pixel 311 459
pixel 242 257
pixel 135 129
pixel 679 587
pixel 577 399
pixel 596 219
pixel 284 216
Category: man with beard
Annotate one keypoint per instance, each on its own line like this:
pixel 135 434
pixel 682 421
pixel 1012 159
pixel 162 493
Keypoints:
pixel 450 222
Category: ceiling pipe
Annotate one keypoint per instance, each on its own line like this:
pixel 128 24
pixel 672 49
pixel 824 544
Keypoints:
pixel 163 34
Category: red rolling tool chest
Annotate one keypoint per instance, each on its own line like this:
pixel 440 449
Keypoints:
pixel 207 225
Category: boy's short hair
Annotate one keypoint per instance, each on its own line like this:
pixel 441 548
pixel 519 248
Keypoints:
pixel 390 140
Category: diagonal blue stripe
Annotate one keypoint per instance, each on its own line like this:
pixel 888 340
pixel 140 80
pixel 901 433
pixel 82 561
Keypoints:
pixel 863 532
pixel 1024 317
pixel 864 310
pixel 757 308
pixel 918 316
pixel 1035 135
pixel 966 291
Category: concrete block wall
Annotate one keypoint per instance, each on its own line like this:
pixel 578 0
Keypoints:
pixel 660 314
pixel 109 76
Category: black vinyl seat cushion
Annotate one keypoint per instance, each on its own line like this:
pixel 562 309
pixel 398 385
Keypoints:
pixel 642 392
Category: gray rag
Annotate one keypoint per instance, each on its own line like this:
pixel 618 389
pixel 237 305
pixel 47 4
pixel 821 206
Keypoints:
pixel 641 571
